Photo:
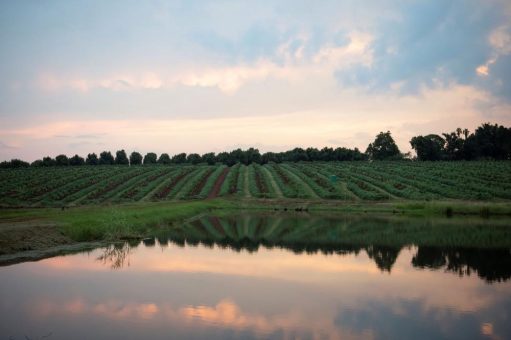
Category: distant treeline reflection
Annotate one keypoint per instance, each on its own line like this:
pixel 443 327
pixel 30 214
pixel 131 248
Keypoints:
pixel 460 247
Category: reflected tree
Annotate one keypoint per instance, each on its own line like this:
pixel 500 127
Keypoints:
pixel 116 255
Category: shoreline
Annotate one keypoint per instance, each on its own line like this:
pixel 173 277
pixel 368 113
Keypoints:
pixel 31 234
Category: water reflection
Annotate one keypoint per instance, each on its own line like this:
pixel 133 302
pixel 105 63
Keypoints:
pixel 116 255
pixel 258 277
pixel 352 236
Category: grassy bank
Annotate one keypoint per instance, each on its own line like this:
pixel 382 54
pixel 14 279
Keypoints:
pixel 114 222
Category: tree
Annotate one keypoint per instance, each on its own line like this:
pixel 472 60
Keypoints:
pixel 236 156
pixel 164 159
pixel 193 158
pixel 179 158
pixel 14 164
pixel 253 156
pixel 106 158
pixel 313 154
pixel 76 160
pixel 37 163
pixel 383 148
pixel 150 158
pixel 209 158
pixel 456 146
pixel 493 141
pixel 135 158
pixel 428 148
pixel 268 157
pixel 223 157
pixel 121 158
pixel 92 159
pixel 61 160
pixel 48 161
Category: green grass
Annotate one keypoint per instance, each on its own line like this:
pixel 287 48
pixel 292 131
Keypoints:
pixel 127 221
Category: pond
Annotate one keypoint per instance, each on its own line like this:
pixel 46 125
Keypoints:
pixel 273 276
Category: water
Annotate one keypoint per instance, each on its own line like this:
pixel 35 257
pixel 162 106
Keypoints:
pixel 272 277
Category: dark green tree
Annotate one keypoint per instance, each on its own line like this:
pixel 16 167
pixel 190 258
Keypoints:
pixel 164 159
pixel 106 158
pixel 383 148
pixel 209 158
pixel 121 158
pixel 76 160
pixel 37 163
pixel 253 156
pixel 135 158
pixel 48 161
pixel 150 158
pixel 493 141
pixel 193 158
pixel 92 159
pixel 61 160
pixel 455 148
pixel 180 158
pixel 428 148
pixel 14 164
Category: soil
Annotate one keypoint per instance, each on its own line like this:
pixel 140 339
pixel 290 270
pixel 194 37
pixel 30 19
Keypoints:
pixel 17 236
pixel 218 184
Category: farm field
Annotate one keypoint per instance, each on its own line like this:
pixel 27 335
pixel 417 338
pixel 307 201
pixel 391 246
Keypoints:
pixel 343 181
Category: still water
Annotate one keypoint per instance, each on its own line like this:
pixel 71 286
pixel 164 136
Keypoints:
pixel 272 276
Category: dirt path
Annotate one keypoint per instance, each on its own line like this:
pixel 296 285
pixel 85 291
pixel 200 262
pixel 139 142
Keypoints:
pixel 218 184
pixel 274 185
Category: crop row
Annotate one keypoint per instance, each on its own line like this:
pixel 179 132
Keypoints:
pixel 333 180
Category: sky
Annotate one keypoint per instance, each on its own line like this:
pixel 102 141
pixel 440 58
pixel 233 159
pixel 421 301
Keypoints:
pixel 198 76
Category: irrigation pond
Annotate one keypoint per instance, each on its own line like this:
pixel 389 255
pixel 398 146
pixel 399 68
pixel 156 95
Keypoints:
pixel 273 275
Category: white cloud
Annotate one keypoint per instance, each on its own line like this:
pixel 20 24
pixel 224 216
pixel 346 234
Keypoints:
pixel 229 79
pixel 500 41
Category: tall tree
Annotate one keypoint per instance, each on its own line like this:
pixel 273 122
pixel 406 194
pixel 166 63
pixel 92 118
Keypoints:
pixel 383 148
pixel 61 160
pixel 493 141
pixel 209 158
pixel 164 159
pixel 14 164
pixel 121 158
pixel 48 161
pixel 180 158
pixel 76 160
pixel 92 159
pixel 150 158
pixel 106 158
pixel 37 163
pixel 135 158
pixel 428 148
pixel 193 158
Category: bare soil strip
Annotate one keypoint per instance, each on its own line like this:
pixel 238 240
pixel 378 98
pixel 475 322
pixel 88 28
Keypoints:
pixel 218 184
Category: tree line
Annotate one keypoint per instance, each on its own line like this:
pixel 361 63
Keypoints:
pixel 490 142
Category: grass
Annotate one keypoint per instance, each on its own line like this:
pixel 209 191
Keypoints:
pixel 112 222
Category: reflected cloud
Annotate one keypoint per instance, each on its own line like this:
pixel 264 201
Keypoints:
pixel 406 319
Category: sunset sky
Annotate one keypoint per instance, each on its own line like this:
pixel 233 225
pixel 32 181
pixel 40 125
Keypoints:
pixel 199 76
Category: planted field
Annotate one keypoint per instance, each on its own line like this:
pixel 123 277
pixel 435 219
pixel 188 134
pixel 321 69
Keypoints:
pixel 346 181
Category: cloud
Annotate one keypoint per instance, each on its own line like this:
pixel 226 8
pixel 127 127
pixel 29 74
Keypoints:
pixel 228 79
pixel 434 43
pixel 8 146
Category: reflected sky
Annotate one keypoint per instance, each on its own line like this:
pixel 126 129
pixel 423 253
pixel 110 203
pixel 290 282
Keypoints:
pixel 169 291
